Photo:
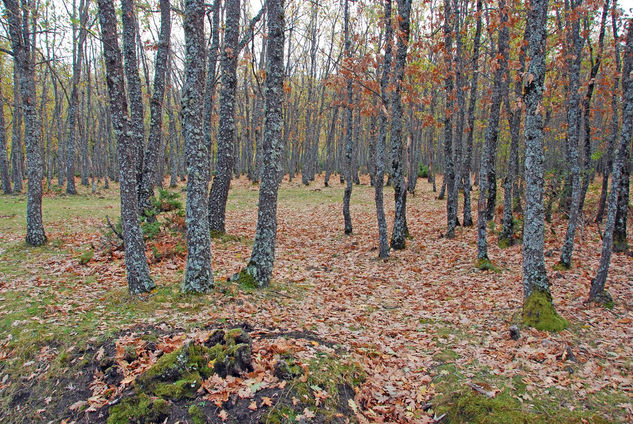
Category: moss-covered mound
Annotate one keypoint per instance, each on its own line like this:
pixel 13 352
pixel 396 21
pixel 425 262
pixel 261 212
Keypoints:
pixel 539 312
pixel 468 406
pixel 178 375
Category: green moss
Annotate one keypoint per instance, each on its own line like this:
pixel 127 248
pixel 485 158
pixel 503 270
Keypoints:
pixel 139 409
pixel 560 266
pixel 86 256
pixel 539 312
pixel 468 406
pixel 186 387
pixel 619 242
pixel 197 415
pixel 504 242
pixel 604 299
pixel 181 366
pixel 486 264
pixel 280 415
pixel 245 279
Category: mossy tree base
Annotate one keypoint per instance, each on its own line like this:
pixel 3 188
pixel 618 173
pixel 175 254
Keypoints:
pixel 539 312
pixel 486 264
pixel 603 299
pixel 247 278
pixel 561 266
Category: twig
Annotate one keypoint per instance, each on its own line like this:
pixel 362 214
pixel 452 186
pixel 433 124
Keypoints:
pixel 113 228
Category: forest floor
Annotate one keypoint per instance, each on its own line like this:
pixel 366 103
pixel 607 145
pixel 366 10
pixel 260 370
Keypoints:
pixel 410 339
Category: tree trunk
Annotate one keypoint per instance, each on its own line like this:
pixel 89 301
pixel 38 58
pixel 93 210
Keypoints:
pixel 4 163
pixel 468 219
pixel 398 236
pixel 597 292
pixel 347 195
pixel 198 274
pixel 537 297
pixel 137 114
pixel 226 137
pixel 138 277
pixel 154 143
pixel 262 259
pixel 573 131
pixel 449 168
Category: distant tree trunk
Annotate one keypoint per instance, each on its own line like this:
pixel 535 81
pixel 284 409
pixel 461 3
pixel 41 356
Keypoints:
pixel 329 143
pixel 492 132
pixel 615 121
pixel 347 195
pixel 17 146
pixel 573 131
pixel 226 137
pixel 73 102
pixel 536 288
pixel 398 236
pixel 198 274
pixel 154 143
pixel 597 292
pixel 468 219
pixel 381 142
pixel 137 114
pixel 449 168
pixel 262 259
pixel 138 277
pixel 4 163
pixel 514 111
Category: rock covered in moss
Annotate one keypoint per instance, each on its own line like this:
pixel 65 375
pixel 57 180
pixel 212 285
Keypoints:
pixel 539 312
pixel 232 355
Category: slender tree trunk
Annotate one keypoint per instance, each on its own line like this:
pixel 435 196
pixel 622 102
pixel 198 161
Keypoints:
pixel 398 236
pixel 226 138
pixel 615 124
pixel 17 163
pixel 492 133
pixel 137 113
pixel 597 292
pixel 347 195
pixel 468 219
pixel 154 143
pixel 4 163
pixel 381 142
pixel 449 167
pixel 138 276
pixel 573 122
pixel 198 274
pixel 262 259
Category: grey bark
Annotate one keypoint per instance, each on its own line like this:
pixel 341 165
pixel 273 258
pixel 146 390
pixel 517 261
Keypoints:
pixel 138 276
pixel 347 194
pixel 4 163
pixel 24 63
pixel 573 132
pixel 468 219
pixel 534 272
pixel 398 166
pixel 615 124
pixel 449 166
pixel 492 133
pixel 154 143
pixel 226 136
pixel 263 255
pixel 597 291
pixel 381 142
pixel 198 274
pixel 137 113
